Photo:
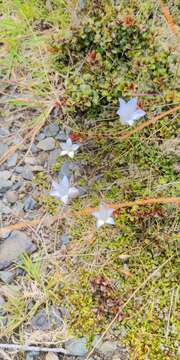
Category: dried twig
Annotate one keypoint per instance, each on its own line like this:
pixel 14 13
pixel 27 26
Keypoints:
pixel 141 286
pixel 172 26
pixel 89 210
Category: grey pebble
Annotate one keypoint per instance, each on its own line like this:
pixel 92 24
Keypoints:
pixel 4 209
pixel 11 196
pixel 5 175
pixel 62 136
pixel 77 347
pixel 15 245
pixel 27 173
pixel 5 185
pixel 17 185
pixel 34 149
pixel 5 235
pixel 31 355
pixel 51 130
pixel 46 144
pixel 12 161
pixel 4 132
pixel 40 136
pixel 6 276
pixel 46 320
pixel 19 169
pixel 3 148
pixel 29 203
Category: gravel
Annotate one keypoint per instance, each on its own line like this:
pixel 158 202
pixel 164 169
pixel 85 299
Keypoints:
pixel 5 185
pixel 77 347
pixel 12 161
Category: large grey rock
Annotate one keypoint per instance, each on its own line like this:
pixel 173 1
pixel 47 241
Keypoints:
pixel 14 246
pixel 46 144
pixel 5 185
pixel 77 347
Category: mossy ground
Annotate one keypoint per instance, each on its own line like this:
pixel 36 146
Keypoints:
pixel 89 57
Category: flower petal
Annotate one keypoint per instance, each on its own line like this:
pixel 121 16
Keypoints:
pixel 132 103
pixel 65 182
pixel 110 221
pixel 138 114
pixel 63 152
pixel 70 154
pixel 69 142
pixel 73 192
pixel 99 223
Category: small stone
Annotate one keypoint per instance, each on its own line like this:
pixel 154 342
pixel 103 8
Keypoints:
pixel 62 136
pixel 51 130
pixel 11 196
pixel 6 276
pixel 12 161
pixel 46 320
pixel 4 132
pixel 46 144
pixel 77 347
pixel 6 234
pixel 29 203
pixel 3 149
pixel 5 175
pixel 13 247
pixel 107 347
pixel 34 149
pixel 5 185
pixel 2 301
pixel 27 173
pixel 4 209
pixel 18 209
pixel 17 185
pixel 30 160
pixel 19 169
pixel 40 136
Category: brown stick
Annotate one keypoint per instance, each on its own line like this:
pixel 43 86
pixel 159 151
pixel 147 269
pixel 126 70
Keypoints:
pixel 89 210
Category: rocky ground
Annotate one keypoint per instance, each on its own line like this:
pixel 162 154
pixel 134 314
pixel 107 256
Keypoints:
pixel 63 281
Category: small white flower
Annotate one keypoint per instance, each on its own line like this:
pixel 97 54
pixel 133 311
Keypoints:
pixel 63 190
pixel 129 112
pixel 68 148
pixel 103 216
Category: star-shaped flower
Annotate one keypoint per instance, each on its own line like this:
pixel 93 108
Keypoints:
pixel 63 190
pixel 103 216
pixel 68 148
pixel 129 112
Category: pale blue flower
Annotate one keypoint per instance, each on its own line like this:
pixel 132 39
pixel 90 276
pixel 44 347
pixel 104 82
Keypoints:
pixel 68 148
pixel 129 112
pixel 63 190
pixel 103 216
